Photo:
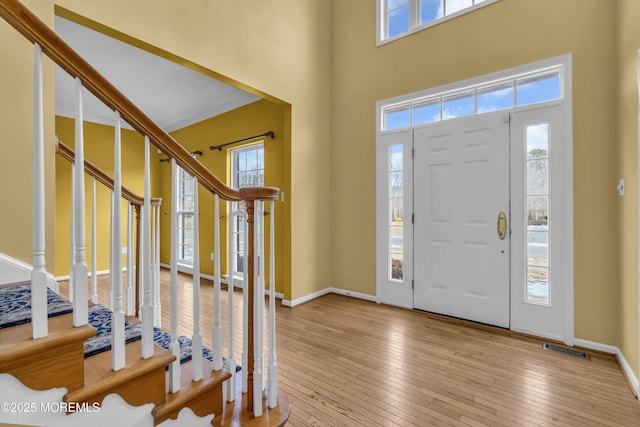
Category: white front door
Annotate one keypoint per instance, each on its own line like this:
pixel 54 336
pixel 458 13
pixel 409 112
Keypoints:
pixel 461 207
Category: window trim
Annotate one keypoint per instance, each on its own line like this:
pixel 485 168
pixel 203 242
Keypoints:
pixel 414 22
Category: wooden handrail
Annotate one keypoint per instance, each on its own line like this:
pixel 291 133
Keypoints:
pixel 67 153
pixel 36 31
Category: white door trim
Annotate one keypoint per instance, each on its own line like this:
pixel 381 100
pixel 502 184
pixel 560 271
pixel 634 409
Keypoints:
pixel 638 382
pixel 382 291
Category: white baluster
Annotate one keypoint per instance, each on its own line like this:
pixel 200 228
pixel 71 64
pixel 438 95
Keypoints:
pixel 174 347
pixel 196 357
pixel 158 305
pixel 117 315
pixel 147 307
pixel 245 306
pixel 217 327
pixel 272 387
pixel 38 274
pixel 261 283
pixel 258 297
pixel 131 275
pixel 94 257
pixel 231 363
pixel 155 288
pixel 72 238
pixel 111 257
pixel 80 291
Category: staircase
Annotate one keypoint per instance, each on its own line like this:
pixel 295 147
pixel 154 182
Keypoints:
pixel 60 360
pixel 49 352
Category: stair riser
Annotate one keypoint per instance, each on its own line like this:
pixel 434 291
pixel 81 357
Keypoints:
pixel 204 405
pixel 149 388
pixel 61 366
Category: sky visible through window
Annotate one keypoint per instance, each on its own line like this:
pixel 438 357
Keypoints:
pixel 516 92
pixel 398 12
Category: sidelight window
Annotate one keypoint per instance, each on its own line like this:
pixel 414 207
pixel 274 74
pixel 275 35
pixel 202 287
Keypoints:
pixel 537 211
pixel 396 214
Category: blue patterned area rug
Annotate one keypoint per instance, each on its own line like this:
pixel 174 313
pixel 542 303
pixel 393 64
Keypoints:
pixel 15 304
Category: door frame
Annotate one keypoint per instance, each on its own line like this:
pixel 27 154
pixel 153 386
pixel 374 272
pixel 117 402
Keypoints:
pixel 638 163
pixel 401 293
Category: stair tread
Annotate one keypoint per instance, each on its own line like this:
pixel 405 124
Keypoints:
pixel 17 341
pixel 190 390
pixel 99 377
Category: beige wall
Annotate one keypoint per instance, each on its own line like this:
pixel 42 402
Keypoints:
pixel 502 35
pixel 279 48
pixel 16 140
pixel 629 43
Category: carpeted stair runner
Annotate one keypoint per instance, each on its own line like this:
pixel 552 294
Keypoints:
pixel 15 304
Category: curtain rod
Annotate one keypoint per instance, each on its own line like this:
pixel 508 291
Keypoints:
pixel 269 134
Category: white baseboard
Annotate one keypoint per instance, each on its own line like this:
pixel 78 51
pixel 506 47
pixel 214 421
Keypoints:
pixel 298 301
pixel 13 270
pixel 626 368
pixel 325 291
pixel 358 295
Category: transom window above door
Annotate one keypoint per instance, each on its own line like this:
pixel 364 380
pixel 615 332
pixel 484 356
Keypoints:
pixel 511 92
pixel 398 18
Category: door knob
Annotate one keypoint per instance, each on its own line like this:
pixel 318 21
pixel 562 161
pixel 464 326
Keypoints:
pixel 502 225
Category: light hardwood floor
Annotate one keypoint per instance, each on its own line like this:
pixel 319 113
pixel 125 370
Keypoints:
pixel 348 362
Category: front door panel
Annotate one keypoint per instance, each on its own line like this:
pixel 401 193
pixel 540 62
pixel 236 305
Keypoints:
pixel 461 200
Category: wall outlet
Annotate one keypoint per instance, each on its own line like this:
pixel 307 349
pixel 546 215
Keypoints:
pixel 213 256
pixel 282 196
pixel 124 250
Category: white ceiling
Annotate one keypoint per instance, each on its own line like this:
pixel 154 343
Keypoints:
pixel 172 95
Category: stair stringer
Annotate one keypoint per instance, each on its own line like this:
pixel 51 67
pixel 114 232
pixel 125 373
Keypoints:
pixel 13 270
pixel 24 406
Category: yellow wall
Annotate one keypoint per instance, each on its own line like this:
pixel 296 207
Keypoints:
pixel 16 140
pixel 99 140
pixel 502 35
pixel 286 56
pixel 629 43
pixel 253 119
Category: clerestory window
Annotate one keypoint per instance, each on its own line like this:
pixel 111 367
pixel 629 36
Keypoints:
pixel 397 18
